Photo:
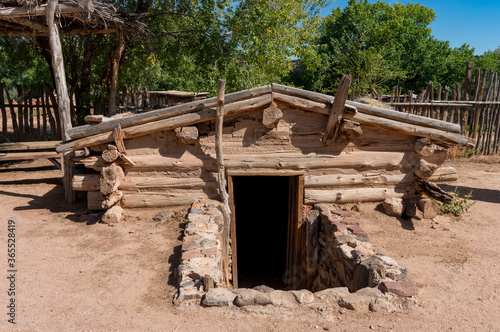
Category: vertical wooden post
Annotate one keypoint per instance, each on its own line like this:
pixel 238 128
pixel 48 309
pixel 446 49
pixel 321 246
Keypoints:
pixel 480 114
pixel 12 116
pixel 232 234
pixel 115 68
pixel 58 67
pixel 467 87
pixel 446 109
pixel 4 113
pixel 496 124
pixel 20 118
pixel 38 115
pixel 221 173
pixel 456 110
pixel 31 129
pixel 337 109
pixel 63 96
pixel 438 108
pixel 478 96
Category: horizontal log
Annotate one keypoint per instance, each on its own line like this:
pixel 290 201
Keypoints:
pixel 138 182
pixel 305 104
pixel 449 103
pixel 28 156
pixel 167 124
pixel 26 146
pixel 359 195
pixel 277 161
pixel 41 10
pixel 142 200
pixel 443 174
pixel 408 128
pixel 90 182
pixel 364 108
pixel 86 182
pixel 165 113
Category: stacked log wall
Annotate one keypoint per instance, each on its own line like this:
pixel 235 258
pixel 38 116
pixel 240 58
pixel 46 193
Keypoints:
pixel 376 165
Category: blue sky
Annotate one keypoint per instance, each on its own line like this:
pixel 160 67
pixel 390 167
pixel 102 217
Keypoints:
pixel 473 22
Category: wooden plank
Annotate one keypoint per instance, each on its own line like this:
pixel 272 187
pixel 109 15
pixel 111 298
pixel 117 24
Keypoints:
pixel 234 240
pixel 298 216
pixel 319 103
pixel 336 110
pixel 166 113
pixel 28 156
pixel 264 172
pixel 26 146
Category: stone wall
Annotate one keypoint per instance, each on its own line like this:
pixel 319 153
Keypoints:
pixel 340 254
pixel 201 250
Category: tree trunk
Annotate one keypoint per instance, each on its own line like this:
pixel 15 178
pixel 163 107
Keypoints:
pixel 113 86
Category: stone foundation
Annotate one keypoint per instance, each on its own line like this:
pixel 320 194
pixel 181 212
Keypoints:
pixel 345 255
pixel 342 267
pixel 201 250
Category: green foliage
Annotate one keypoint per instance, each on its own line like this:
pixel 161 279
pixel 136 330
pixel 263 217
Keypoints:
pixel 458 206
pixel 380 46
pixel 22 63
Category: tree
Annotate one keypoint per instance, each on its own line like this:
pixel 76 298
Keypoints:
pixel 380 46
pixel 191 44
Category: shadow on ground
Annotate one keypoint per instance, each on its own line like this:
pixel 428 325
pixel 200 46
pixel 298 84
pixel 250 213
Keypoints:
pixel 478 194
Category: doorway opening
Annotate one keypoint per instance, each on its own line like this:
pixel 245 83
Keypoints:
pixel 264 230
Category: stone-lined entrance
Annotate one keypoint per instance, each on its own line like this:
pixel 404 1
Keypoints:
pixel 341 267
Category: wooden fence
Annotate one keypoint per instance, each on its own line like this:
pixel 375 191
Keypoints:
pixel 475 105
pixel 31 116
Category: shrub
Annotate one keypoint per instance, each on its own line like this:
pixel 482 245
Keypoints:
pixel 458 206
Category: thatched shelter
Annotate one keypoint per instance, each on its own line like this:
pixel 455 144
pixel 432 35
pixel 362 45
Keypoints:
pixel 52 18
pixel 78 17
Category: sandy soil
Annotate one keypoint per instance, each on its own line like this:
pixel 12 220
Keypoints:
pixel 73 275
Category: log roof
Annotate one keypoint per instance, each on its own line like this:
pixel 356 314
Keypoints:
pixel 238 103
pixel 77 17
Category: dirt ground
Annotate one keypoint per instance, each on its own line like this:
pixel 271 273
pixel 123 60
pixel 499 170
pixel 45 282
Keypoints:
pixel 73 275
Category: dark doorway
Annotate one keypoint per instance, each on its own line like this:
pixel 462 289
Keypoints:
pixel 262 214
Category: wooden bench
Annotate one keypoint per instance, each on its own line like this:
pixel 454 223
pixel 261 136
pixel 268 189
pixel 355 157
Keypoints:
pixel 30 151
